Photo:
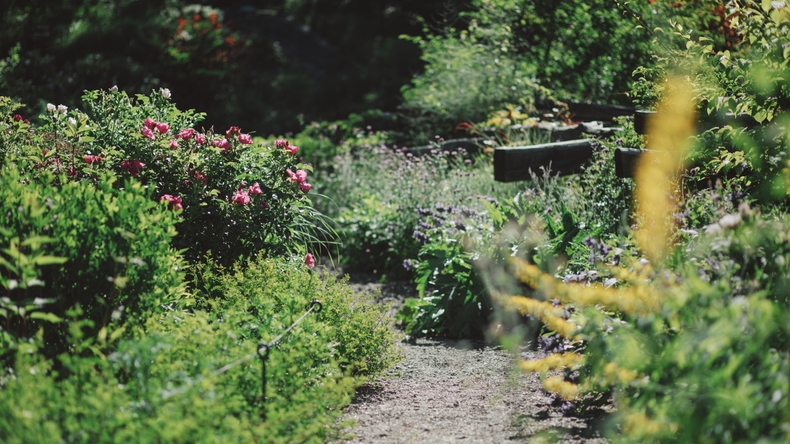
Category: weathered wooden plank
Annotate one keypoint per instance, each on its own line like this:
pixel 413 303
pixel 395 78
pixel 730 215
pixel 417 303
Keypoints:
pixel 594 112
pixel 513 163
pixel 706 122
pixel 626 161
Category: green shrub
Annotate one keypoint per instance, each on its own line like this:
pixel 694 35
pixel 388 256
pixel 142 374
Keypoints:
pixel 238 198
pixel 195 376
pixel 361 331
pixel 86 245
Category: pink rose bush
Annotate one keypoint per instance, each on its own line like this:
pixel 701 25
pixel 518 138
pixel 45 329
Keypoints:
pixel 195 172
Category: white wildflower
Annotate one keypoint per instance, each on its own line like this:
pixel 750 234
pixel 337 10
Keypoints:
pixel 730 220
pixel 51 107
pixel 165 93
pixel 63 109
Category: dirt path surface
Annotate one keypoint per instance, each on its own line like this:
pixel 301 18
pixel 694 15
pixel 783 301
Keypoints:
pixel 447 391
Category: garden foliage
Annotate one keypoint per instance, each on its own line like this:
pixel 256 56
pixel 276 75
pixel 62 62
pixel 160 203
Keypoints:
pixel 237 198
pixel 142 262
pixel 376 193
pixel 692 344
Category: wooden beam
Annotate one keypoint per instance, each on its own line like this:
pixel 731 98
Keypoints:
pixel 513 163
pixel 625 161
pixel 592 111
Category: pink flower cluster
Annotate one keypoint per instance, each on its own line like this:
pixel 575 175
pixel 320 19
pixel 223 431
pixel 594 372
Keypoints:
pixel 300 177
pixel 242 196
pixel 149 125
pixel 89 158
pixel 174 202
pixel 132 166
pixel 284 144
pixel 244 139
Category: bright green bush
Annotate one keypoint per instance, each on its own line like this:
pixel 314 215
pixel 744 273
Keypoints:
pixel 194 376
pixel 83 245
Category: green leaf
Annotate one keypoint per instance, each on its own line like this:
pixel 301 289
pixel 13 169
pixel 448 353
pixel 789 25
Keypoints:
pixel 49 260
pixel 44 316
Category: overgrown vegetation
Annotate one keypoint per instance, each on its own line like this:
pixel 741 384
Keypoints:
pixel 143 260
pixel 143 263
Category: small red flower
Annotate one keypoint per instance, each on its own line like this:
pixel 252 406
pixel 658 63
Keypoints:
pixel 148 133
pixel 255 189
pixel 89 158
pixel 241 198
pixel 132 166
pixel 245 139
pixel 186 134
pixel 309 260
pixel 221 143
pixel 174 202
pixel 232 131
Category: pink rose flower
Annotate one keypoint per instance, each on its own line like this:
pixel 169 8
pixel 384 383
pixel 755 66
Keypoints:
pixel 200 139
pixel 241 197
pixel 89 158
pixel 301 176
pixel 281 143
pixel 149 123
pixel 232 131
pixel 245 139
pixel 309 260
pixel 162 127
pixel 132 166
pixel 221 143
pixel 200 176
pixel 186 134
pixel 291 175
pixel 17 117
pixel 305 186
pixel 255 189
pixel 292 150
pixel 148 133
pixel 174 143
pixel 174 202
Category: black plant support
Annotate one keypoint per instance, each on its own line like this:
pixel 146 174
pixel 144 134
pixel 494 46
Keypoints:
pixel 265 347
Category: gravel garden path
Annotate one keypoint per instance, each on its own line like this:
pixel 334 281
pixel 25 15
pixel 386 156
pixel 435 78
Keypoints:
pixel 448 391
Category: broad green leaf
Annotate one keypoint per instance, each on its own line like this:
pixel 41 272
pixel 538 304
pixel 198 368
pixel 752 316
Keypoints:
pixel 44 316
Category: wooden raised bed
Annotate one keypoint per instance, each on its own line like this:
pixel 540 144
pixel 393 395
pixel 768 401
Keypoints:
pixel 514 163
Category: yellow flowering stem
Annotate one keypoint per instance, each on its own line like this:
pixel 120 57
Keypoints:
pixel 557 384
pixel 555 361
